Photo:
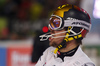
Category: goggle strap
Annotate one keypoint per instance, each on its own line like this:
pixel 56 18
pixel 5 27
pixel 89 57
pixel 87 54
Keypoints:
pixel 77 23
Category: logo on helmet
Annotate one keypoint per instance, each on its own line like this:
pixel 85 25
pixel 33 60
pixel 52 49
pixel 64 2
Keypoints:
pixel 69 18
pixel 80 23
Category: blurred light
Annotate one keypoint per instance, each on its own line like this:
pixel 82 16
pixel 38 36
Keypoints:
pixel 45 29
pixel 96 11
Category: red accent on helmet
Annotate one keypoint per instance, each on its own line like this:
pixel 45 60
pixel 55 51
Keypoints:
pixel 84 32
pixel 80 9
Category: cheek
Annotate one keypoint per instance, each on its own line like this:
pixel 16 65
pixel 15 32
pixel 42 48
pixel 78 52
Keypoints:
pixel 58 40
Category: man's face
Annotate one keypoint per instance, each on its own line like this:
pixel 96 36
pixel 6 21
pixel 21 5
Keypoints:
pixel 56 41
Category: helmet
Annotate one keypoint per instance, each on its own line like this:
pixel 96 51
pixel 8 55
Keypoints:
pixel 75 20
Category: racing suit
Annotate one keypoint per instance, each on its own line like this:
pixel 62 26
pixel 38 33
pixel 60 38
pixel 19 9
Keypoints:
pixel 49 58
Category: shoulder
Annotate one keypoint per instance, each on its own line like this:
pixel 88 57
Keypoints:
pixel 46 55
pixel 49 49
pixel 85 60
pixel 88 64
pixel 82 59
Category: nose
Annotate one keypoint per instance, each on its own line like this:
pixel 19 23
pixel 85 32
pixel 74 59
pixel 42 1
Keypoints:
pixel 51 31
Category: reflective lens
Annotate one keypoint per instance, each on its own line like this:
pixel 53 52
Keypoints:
pixel 54 22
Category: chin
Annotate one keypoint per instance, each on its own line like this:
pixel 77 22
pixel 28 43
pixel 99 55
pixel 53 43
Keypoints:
pixel 53 44
pixel 50 44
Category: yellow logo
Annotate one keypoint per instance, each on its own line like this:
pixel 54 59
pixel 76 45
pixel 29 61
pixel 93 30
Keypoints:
pixel 60 7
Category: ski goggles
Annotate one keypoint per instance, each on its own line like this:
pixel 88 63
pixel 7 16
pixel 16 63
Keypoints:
pixel 57 23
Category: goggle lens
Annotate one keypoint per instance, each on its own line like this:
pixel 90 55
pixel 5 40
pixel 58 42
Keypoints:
pixel 54 22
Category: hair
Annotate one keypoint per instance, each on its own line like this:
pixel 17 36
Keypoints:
pixel 79 41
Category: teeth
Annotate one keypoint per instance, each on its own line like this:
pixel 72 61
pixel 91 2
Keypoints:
pixel 50 38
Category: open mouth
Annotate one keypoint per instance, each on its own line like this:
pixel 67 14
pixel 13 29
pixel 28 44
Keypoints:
pixel 50 38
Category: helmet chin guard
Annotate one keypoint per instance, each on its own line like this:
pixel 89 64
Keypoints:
pixel 48 35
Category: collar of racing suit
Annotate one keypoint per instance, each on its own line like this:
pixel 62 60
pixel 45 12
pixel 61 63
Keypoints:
pixel 69 53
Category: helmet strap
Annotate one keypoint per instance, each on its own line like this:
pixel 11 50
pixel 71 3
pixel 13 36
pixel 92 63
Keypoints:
pixel 62 45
